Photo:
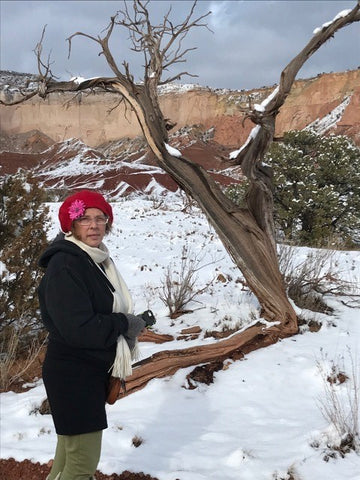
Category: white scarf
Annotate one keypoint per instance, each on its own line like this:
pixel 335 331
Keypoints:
pixel 122 303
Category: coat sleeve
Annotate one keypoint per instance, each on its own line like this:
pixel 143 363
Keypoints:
pixel 69 306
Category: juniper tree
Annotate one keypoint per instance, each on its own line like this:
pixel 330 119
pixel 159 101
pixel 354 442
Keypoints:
pixel 316 187
pixel 22 238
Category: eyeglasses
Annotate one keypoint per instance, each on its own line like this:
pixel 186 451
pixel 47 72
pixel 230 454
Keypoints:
pixel 87 221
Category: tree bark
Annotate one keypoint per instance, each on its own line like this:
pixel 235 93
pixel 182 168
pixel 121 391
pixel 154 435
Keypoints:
pixel 249 246
pixel 167 362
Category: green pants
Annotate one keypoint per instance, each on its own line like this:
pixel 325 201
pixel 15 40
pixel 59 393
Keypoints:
pixel 76 456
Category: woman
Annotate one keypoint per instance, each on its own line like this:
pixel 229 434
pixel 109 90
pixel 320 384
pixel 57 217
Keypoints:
pixel 87 309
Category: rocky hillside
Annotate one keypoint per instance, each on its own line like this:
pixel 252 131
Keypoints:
pixel 71 139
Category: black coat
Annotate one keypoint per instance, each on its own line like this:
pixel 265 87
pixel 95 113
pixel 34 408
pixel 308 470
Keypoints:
pixel 76 307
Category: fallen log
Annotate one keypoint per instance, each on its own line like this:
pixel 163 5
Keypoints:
pixel 150 336
pixel 167 362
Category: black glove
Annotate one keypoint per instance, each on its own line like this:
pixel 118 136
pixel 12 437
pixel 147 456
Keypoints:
pixel 148 318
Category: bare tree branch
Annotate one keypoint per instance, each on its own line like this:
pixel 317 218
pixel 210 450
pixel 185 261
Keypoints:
pixel 177 77
pixel 44 75
pixel 22 99
pixel 149 39
pixel 69 39
pixel 38 52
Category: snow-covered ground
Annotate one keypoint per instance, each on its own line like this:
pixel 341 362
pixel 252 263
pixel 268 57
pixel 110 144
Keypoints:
pixel 259 420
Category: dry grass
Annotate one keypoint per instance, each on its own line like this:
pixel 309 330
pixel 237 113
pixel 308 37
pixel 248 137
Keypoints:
pixel 340 404
pixel 308 281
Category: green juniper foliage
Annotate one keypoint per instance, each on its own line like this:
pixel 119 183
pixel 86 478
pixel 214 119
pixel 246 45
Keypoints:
pixel 23 221
pixel 316 187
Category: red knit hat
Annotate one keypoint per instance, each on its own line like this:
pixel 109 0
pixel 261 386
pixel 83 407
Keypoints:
pixel 74 207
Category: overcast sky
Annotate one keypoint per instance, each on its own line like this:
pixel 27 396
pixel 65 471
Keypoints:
pixel 250 43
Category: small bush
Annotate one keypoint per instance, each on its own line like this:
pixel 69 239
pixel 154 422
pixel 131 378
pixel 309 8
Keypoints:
pixel 308 281
pixel 137 441
pixel 179 287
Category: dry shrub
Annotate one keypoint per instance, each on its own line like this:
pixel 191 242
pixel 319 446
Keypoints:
pixel 17 358
pixel 179 287
pixel 137 441
pixel 308 281
pixel 340 405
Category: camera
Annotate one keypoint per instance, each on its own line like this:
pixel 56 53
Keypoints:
pixel 148 318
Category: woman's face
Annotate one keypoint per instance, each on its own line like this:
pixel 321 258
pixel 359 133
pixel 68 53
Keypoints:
pixel 91 227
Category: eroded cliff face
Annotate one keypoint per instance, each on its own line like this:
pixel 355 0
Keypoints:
pixel 316 98
pixel 93 119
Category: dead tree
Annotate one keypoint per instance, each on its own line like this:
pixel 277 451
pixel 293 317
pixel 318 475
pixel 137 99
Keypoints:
pixel 247 233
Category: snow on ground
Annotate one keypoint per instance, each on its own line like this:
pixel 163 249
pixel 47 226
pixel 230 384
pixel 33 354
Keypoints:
pixel 260 417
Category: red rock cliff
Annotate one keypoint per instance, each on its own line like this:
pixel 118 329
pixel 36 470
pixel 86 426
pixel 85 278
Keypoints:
pixel 87 117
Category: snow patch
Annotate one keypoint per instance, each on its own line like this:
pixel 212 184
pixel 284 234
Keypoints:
pixel 341 14
pixel 172 151
pixel 252 135
pixel 322 125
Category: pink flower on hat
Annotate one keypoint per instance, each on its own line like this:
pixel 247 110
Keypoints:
pixel 76 209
